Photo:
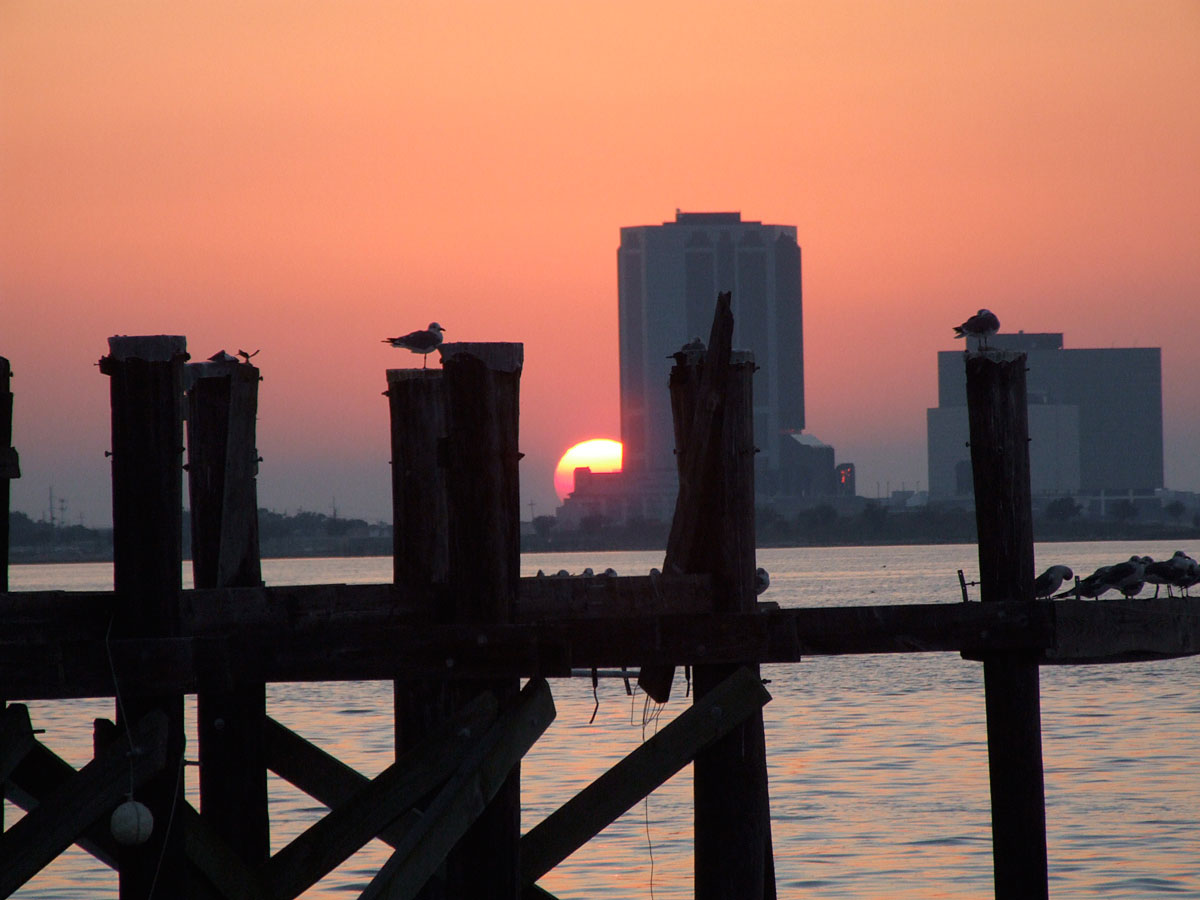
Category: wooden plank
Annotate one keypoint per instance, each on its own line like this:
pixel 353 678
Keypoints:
pixel 697 405
pixel 999 424
pixel 616 791
pixel 73 806
pixel 371 807
pixel 222 465
pixel 326 778
pixel 1109 631
pixel 224 869
pixel 16 739
pixel 47 670
pixel 478 779
pixel 37 776
pixel 558 598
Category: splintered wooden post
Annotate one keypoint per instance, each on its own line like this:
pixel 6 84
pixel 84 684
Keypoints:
pixel 482 385
pixel 999 429
pixel 713 533
pixel 222 466
pixel 146 387
pixel 8 471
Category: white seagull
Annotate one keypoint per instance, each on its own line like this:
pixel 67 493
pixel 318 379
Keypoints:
pixel 982 325
pixel 1050 581
pixel 423 342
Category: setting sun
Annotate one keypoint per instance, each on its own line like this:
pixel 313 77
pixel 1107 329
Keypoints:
pixel 597 454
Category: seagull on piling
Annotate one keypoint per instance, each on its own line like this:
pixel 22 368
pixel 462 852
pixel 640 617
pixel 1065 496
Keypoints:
pixel 1092 586
pixel 423 342
pixel 982 325
pixel 1191 578
pixel 1171 572
pixel 1050 581
pixel 1128 577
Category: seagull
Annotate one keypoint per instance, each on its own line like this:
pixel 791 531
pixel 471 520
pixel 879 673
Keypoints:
pixel 1192 577
pixel 248 356
pixel 1128 577
pixel 982 325
pixel 1050 581
pixel 1092 586
pixel 423 342
pixel 1170 572
pixel 762 580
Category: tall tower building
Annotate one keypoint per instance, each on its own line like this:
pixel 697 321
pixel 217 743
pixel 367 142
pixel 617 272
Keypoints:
pixel 669 276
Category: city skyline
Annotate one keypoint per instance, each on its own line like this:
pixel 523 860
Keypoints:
pixel 307 180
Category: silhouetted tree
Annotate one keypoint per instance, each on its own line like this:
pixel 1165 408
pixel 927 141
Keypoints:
pixel 1123 511
pixel 1062 509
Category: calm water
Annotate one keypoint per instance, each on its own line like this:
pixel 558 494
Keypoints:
pixel 878 764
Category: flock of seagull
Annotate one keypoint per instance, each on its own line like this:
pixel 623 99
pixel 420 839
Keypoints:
pixel 1129 578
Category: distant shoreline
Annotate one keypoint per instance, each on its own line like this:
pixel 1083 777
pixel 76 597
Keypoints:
pixel 574 543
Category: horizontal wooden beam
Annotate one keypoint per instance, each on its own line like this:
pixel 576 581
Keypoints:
pixel 347 650
pixel 353 644
pixel 85 615
pixel 1115 631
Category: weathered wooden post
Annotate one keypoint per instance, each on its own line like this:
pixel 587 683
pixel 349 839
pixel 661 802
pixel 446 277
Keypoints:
pixel 222 465
pixel 999 429
pixel 482 391
pixel 146 387
pixel 9 469
pixel 713 532
pixel 420 549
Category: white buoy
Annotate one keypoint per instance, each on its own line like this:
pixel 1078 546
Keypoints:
pixel 131 823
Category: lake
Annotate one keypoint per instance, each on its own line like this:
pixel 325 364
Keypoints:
pixel 878 764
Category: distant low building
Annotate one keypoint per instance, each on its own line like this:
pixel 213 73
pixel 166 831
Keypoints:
pixel 615 498
pixel 1095 422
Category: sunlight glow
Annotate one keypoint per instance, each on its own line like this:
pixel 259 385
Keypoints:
pixel 597 454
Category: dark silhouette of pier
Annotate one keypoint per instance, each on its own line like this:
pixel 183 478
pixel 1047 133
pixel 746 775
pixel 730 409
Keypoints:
pixel 459 629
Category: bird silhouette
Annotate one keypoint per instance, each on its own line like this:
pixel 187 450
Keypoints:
pixel 423 342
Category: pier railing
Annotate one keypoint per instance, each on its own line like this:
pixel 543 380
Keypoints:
pixel 458 629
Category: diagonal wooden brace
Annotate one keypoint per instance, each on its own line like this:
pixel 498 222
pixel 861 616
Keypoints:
pixel 616 791
pixel 74 805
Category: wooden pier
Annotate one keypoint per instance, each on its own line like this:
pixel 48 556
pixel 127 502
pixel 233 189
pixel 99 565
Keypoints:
pixel 457 631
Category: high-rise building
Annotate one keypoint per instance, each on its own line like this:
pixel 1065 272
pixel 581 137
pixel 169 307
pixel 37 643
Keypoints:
pixel 1095 420
pixel 669 276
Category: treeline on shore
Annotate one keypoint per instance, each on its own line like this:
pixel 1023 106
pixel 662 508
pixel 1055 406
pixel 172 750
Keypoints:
pixel 313 534
pixel 303 533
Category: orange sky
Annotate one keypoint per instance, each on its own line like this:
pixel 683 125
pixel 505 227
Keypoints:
pixel 306 178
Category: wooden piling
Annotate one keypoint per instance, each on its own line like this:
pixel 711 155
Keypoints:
pixel 713 533
pixel 999 430
pixel 8 471
pixel 146 387
pixel 222 406
pixel 420 548
pixel 482 391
